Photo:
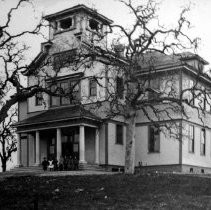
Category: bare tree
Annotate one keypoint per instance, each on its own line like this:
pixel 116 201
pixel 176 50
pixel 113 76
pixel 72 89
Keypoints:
pixel 7 138
pixel 12 60
pixel 139 94
pixel 134 63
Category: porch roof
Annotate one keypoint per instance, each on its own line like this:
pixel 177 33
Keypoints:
pixel 58 116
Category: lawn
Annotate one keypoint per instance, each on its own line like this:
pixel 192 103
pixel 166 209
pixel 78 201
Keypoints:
pixel 155 191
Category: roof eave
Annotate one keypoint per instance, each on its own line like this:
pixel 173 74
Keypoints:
pixel 34 64
pixel 195 56
pixel 65 119
pixel 76 8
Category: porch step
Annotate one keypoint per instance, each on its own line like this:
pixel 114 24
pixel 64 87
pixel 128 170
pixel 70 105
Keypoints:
pixel 30 169
pixel 91 167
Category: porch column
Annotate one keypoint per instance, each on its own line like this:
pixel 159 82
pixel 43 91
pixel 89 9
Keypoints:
pixel 97 143
pixel 37 139
pixel 81 145
pixel 58 143
pixel 18 150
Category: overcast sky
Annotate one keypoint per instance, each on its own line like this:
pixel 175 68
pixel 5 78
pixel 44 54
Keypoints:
pixel 199 16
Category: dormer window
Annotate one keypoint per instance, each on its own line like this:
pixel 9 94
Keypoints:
pixel 94 25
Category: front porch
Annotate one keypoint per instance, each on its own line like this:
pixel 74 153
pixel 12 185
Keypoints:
pixel 80 141
pixel 46 135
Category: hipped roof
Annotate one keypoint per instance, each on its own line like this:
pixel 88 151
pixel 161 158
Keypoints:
pixel 59 114
pixel 79 7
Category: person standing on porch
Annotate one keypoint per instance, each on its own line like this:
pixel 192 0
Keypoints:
pixel 75 162
pixel 55 164
pixel 69 163
pixel 51 166
pixel 65 163
pixel 61 163
pixel 45 164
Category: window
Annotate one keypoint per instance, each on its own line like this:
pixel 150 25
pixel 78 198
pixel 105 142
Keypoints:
pixel 190 92
pixel 154 139
pixel 119 134
pixel 92 87
pixel 64 90
pixel 66 23
pixel 55 100
pixel 38 99
pixel 200 101
pixel 93 25
pixel 208 103
pixel 154 89
pixel 74 91
pixel 153 94
pixel 64 59
pixel 68 91
pixel 191 138
pixel 202 142
pixel 119 87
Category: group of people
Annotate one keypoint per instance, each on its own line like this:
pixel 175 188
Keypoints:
pixel 64 164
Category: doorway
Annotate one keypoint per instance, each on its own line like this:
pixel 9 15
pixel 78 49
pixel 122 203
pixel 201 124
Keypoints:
pixel 51 144
pixel 70 143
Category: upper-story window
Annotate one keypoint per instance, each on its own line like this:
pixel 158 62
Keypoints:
pixel 189 92
pixel 38 99
pixel 119 87
pixel 203 142
pixel 64 59
pixel 92 87
pixel 199 100
pixel 68 93
pixel 55 100
pixel 154 89
pixel 94 25
pixel 64 24
pixel 64 90
pixel 208 103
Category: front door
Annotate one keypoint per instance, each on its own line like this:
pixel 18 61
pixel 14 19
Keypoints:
pixel 70 145
pixel 51 146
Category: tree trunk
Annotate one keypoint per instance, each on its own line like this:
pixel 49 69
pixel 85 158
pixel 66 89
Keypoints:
pixel 130 145
pixel 4 165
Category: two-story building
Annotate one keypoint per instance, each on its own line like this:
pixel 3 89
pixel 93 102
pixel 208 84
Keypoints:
pixel 55 126
pixel 181 141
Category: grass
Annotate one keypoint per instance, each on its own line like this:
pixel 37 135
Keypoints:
pixel 155 191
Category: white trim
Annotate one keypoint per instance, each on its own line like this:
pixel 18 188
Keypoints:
pixel 164 69
pixel 82 144
pixel 18 150
pixel 54 127
pixel 37 154
pixel 97 146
